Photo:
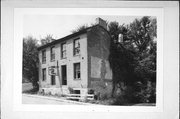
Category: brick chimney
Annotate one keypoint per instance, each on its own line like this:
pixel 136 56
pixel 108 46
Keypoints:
pixel 120 38
pixel 101 22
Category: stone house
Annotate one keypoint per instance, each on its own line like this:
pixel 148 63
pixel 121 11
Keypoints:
pixel 78 61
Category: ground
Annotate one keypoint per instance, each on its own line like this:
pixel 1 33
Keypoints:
pixel 35 99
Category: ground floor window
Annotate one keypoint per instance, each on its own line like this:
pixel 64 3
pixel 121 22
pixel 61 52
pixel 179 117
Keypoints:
pixel 44 74
pixel 64 75
pixel 53 80
pixel 77 72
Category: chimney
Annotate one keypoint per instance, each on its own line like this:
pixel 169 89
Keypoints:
pixel 120 38
pixel 101 22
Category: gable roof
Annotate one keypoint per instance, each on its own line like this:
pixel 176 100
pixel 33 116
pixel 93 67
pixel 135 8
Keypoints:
pixel 67 37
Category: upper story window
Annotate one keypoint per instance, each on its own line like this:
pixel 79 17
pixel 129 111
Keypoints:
pixel 63 50
pixel 44 56
pixel 52 53
pixel 76 47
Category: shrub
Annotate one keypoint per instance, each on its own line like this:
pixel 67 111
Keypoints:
pixel 104 96
pixel 70 90
pixel 125 97
pixel 31 91
pixel 49 93
pixel 146 93
pixel 91 91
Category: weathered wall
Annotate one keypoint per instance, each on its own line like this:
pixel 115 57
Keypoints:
pixel 69 61
pixel 95 69
pixel 99 72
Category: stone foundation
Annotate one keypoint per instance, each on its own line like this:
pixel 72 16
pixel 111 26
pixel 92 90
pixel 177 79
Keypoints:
pixel 62 91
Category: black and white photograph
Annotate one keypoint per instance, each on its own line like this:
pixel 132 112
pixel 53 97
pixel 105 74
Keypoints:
pixel 96 60
pixel 84 60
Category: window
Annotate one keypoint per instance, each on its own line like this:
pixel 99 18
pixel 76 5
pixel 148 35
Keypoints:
pixel 52 53
pixel 44 74
pixel 44 56
pixel 63 50
pixel 76 47
pixel 77 73
pixel 64 75
pixel 53 81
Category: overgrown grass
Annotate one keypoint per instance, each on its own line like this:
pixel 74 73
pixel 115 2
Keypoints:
pixel 28 88
pixel 31 91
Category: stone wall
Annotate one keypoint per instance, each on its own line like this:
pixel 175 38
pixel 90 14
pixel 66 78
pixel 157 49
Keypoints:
pixel 69 62
pixel 99 71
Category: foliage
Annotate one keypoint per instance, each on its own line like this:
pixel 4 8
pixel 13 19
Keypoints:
pixel 80 28
pixel 30 60
pixel 145 93
pixel 47 39
pixel 142 32
pixel 121 59
pixel 71 90
pixel 133 60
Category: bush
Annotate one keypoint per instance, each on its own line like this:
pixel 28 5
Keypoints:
pixel 125 97
pixel 71 91
pixel 120 100
pixel 146 93
pixel 91 91
pixel 31 91
pixel 104 96
pixel 49 93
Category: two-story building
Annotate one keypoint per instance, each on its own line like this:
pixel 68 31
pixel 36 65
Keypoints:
pixel 78 61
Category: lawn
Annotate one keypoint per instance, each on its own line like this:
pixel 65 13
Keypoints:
pixel 26 86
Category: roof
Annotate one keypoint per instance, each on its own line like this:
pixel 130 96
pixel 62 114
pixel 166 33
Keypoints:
pixel 67 37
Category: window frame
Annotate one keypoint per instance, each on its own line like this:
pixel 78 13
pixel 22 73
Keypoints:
pixel 44 74
pixel 52 54
pixel 76 71
pixel 74 47
pixel 43 56
pixel 64 82
pixel 62 51
pixel 53 80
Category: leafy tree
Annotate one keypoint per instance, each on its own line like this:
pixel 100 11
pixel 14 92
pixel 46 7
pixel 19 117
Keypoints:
pixel 47 39
pixel 133 60
pixel 146 64
pixel 142 32
pixel 121 59
pixel 30 60
pixel 80 28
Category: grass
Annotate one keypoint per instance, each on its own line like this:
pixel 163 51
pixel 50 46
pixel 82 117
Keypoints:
pixel 28 88
pixel 145 104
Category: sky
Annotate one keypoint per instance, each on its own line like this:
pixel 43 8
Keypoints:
pixel 60 26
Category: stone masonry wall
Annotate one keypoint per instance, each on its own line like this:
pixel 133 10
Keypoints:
pixel 99 72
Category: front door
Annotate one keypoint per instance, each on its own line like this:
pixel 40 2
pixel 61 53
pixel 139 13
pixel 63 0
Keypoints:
pixel 64 75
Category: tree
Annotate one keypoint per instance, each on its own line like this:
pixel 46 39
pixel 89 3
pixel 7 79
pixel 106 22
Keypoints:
pixel 143 35
pixel 47 39
pixel 30 60
pixel 80 28
pixel 121 58
pixel 133 60
pixel 142 32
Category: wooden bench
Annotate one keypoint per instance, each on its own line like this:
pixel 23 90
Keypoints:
pixel 79 96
